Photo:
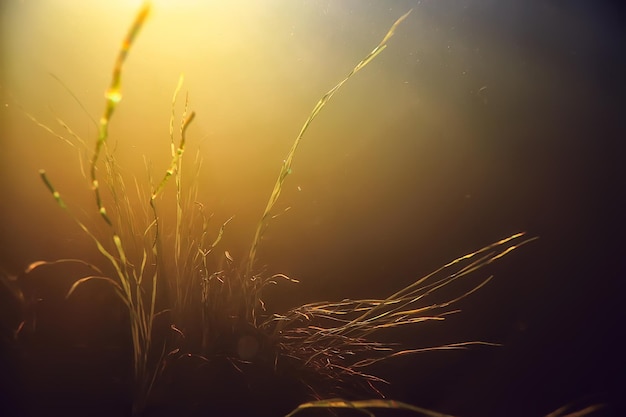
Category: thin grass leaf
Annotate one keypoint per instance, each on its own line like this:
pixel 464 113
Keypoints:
pixel 220 233
pixel 34 265
pixel 450 346
pixel 286 167
pixel 560 412
pixel 83 280
pixel 363 405
pixel 179 85
pixel 76 99
pixel 47 128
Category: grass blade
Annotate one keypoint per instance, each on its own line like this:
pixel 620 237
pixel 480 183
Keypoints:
pixel 363 406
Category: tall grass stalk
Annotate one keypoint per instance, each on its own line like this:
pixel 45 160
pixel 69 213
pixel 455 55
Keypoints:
pixel 256 282
pixel 135 283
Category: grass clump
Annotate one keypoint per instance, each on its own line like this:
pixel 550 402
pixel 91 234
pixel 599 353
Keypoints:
pixel 334 339
pixel 211 306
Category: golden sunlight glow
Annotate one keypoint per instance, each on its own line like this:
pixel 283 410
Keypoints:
pixel 315 143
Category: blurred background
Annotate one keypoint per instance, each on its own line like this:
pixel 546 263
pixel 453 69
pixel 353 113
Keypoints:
pixel 482 118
